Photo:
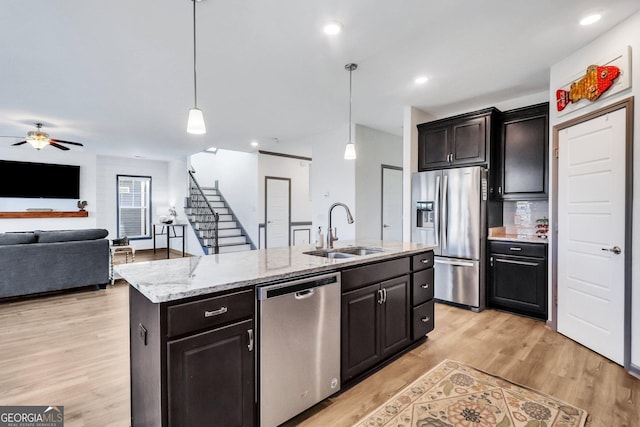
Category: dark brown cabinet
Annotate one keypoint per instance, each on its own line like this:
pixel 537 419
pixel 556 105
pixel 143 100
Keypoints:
pixel 456 141
pixel 189 353
pixel 213 366
pixel 386 307
pixel 375 324
pixel 422 293
pixel 524 145
pixel 518 278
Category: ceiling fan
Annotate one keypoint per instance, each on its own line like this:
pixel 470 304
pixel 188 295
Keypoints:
pixel 39 140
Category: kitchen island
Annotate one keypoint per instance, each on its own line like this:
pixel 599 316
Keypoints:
pixel 192 324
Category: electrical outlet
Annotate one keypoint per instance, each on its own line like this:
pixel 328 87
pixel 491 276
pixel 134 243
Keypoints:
pixel 142 333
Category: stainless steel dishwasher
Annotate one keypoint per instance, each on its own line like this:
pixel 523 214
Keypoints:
pixel 299 345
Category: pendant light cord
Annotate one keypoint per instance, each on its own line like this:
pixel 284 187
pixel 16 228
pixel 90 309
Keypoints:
pixel 195 80
pixel 350 80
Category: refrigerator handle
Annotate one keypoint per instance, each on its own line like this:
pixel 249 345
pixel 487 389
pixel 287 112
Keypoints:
pixel 445 211
pixel 437 211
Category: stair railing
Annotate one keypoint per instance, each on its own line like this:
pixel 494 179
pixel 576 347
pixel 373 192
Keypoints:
pixel 199 201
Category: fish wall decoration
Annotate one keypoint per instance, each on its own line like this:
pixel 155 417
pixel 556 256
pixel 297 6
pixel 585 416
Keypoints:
pixel 596 81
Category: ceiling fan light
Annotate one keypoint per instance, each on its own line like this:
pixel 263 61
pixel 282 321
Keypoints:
pixel 195 125
pixel 38 140
pixel 350 151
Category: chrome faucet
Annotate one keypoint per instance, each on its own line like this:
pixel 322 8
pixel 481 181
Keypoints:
pixel 332 234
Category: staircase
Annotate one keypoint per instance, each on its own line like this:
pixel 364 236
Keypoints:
pixel 212 219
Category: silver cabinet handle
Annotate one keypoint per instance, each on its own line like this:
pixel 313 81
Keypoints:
pixel 221 310
pixel 425 319
pixel 425 261
pixel 380 298
pixel 515 249
pixel 250 345
pixel 425 286
pixel 616 250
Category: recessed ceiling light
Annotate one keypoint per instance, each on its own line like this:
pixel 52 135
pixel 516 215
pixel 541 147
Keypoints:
pixel 421 80
pixel 590 19
pixel 332 28
pixel 254 143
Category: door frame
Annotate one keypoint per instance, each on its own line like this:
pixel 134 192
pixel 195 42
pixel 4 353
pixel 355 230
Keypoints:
pixel 382 168
pixel 628 104
pixel 266 196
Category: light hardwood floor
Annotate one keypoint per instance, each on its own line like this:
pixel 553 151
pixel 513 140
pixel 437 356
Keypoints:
pixel 71 349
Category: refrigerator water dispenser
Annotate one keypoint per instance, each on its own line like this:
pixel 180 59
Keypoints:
pixel 425 215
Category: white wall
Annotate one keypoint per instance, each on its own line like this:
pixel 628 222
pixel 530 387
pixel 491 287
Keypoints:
pixel 237 175
pixel 286 167
pixel 375 148
pixel 78 157
pixel 625 34
pixel 107 170
pixel 332 180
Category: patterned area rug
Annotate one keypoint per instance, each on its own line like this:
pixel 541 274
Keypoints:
pixel 455 395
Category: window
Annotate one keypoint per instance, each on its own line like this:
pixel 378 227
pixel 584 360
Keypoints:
pixel 134 206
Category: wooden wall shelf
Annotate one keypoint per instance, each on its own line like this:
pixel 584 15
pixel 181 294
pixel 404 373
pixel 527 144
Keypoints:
pixel 45 214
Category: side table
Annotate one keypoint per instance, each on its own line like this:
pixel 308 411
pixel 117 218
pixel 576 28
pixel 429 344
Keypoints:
pixel 114 250
pixel 168 230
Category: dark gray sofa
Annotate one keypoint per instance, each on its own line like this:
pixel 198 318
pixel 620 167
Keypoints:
pixel 44 261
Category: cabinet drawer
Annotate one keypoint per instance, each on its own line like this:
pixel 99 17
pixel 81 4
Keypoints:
pixel 354 278
pixel 423 321
pixel 422 261
pixel 422 286
pixel 209 312
pixel 520 249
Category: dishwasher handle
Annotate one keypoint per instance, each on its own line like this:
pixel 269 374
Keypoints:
pixel 301 288
pixel 307 293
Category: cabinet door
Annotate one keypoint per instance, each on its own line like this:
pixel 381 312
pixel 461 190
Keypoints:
pixel 360 330
pixel 469 141
pixel 396 315
pixel 433 147
pixel 211 378
pixel 524 146
pixel 519 284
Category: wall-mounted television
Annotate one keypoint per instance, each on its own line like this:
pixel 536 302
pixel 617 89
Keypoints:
pixel 39 180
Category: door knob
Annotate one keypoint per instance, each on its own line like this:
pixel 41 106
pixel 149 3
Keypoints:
pixel 616 250
pixel 385 226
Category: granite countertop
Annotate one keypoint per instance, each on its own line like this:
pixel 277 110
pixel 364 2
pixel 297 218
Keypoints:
pixel 499 233
pixel 178 278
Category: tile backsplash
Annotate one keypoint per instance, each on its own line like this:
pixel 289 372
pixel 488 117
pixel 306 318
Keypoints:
pixel 522 217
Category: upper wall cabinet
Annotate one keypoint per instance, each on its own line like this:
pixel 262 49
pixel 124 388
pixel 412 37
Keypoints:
pixel 523 171
pixel 456 141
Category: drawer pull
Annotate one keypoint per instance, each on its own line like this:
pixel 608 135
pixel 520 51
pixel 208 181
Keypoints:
pixel 425 319
pixel 515 249
pixel 221 310
pixel 425 286
pixel 425 261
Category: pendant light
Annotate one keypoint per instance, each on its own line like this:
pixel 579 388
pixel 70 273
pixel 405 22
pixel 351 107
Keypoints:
pixel 350 148
pixel 195 124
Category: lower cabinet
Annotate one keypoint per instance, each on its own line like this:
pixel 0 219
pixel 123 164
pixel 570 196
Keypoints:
pixel 518 278
pixel 375 324
pixel 214 366
pixel 193 361
pixel 386 307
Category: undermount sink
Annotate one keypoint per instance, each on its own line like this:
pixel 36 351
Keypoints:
pixel 347 252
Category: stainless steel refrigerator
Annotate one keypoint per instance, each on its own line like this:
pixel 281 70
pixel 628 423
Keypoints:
pixel 449 210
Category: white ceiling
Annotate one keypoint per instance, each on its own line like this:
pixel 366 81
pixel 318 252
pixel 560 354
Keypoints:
pixel 117 75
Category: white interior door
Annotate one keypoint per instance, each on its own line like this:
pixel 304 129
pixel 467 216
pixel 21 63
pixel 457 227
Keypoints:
pixel 391 203
pixel 591 233
pixel 278 210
